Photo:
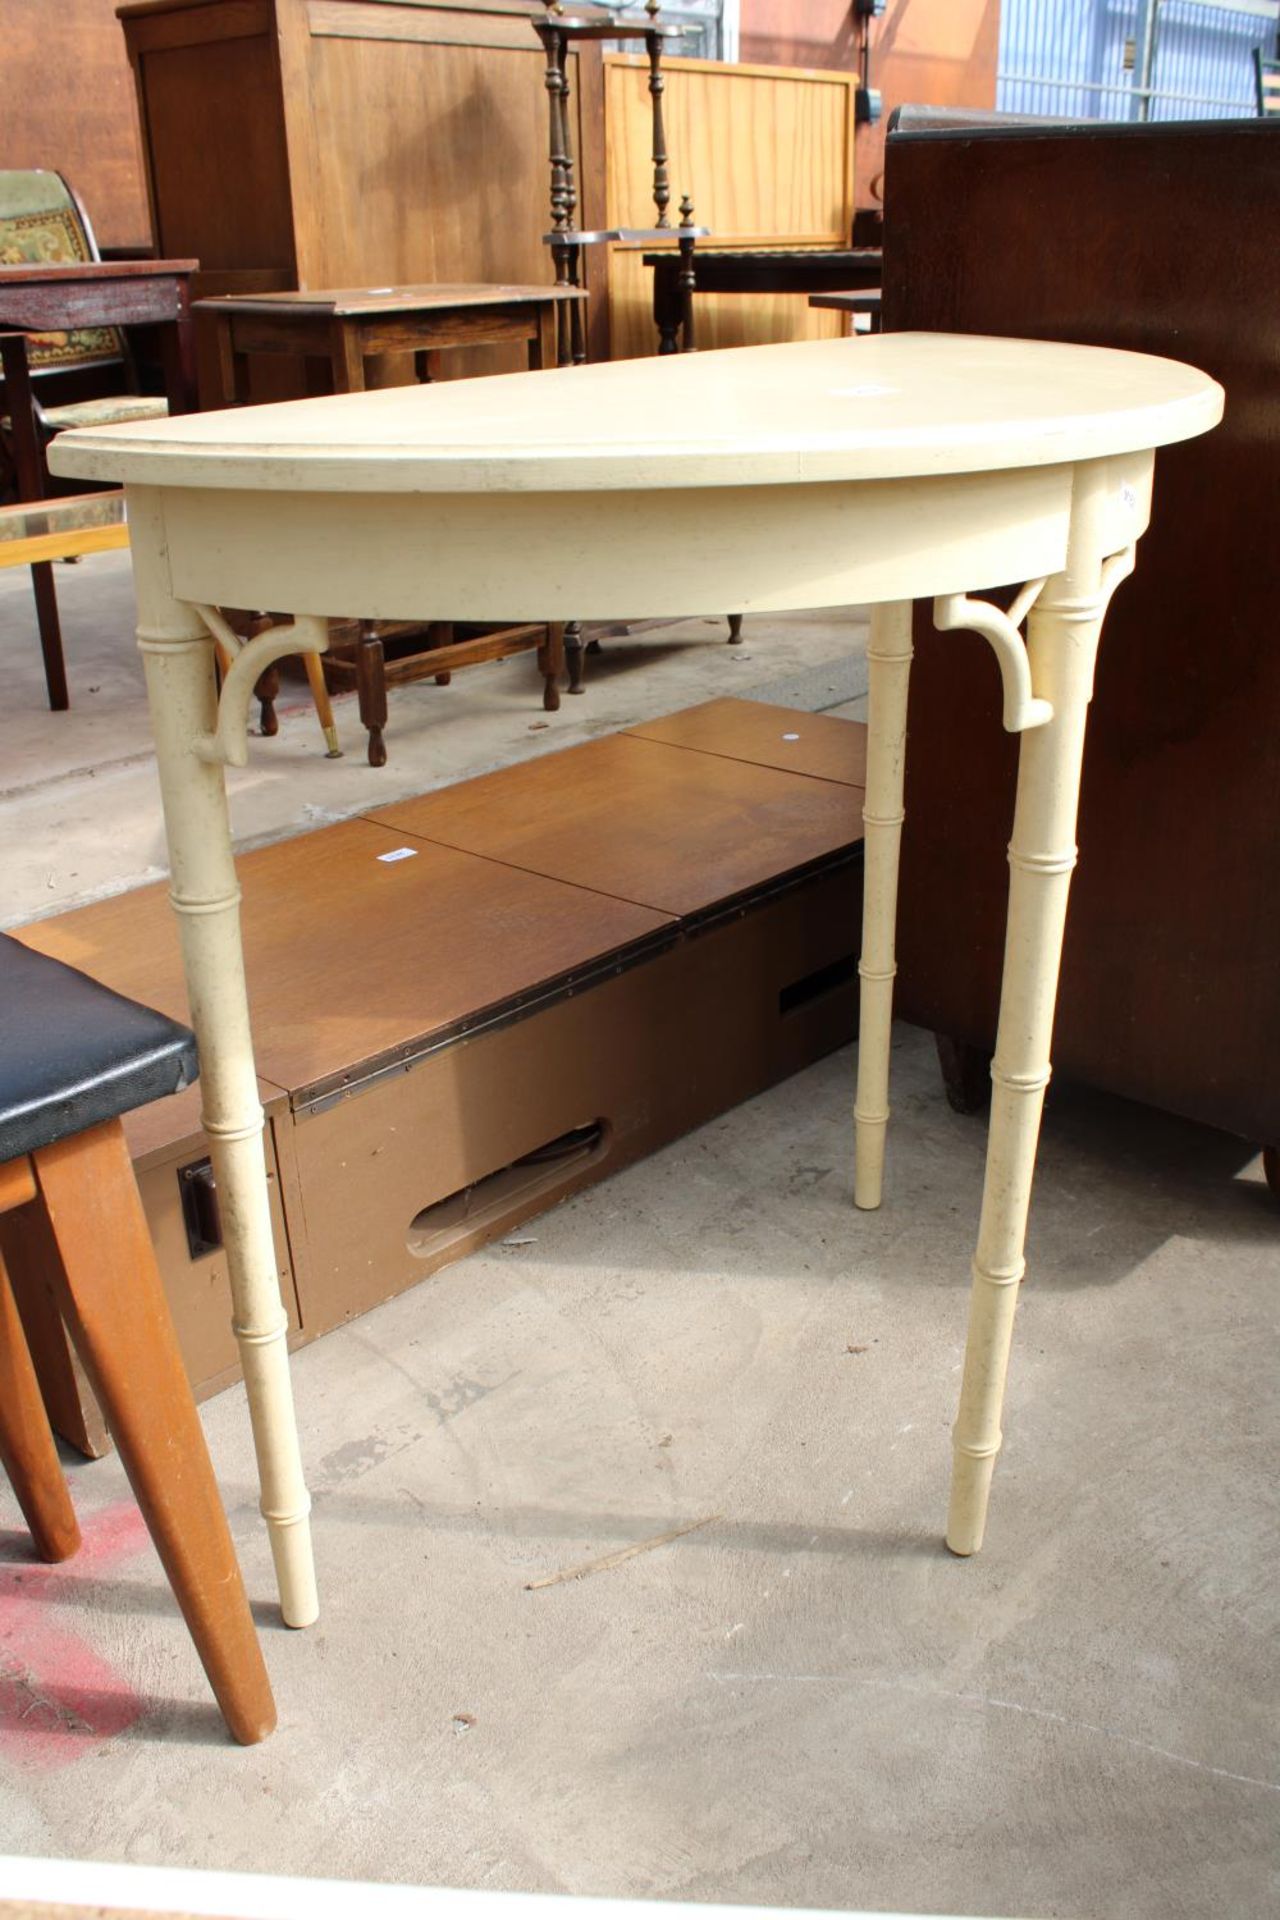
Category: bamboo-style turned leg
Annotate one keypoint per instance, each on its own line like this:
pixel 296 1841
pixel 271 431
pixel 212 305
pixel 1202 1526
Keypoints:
pixel 177 652
pixel 1062 640
pixel 889 667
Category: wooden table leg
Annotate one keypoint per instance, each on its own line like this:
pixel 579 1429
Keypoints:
pixel 889 667
pixel 543 351
pixel 49 625
pixel 113 1302
pixel 347 358
pixel 323 705
pixel 177 655
pixel 178 353
pixel 30 470
pixel 230 362
pixel 27 1451
pixel 1062 641
pixel 667 304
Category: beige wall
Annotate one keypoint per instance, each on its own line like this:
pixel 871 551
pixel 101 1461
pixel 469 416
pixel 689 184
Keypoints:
pixel 934 52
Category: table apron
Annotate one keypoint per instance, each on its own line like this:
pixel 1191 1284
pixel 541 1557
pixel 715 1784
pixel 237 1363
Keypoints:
pixel 54 307
pixel 312 334
pixel 642 554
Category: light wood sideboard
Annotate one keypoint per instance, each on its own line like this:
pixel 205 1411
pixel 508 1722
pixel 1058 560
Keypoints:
pixel 766 153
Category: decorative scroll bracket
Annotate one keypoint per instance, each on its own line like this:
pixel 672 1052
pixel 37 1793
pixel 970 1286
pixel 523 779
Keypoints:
pixel 229 743
pixel 953 611
pixel 1022 708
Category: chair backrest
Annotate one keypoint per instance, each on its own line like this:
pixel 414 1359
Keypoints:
pixel 42 223
pixel 1267 76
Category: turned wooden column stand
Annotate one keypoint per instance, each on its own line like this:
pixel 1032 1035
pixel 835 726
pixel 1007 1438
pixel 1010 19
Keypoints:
pixel 829 473
pixel 558 31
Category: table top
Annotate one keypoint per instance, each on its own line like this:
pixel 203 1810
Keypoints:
pixel 26 274
pixel 865 301
pixel 890 407
pixel 819 252
pixel 627 238
pixel 342 302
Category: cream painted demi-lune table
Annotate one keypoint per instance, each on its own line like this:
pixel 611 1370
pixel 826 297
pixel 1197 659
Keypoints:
pixel 817 475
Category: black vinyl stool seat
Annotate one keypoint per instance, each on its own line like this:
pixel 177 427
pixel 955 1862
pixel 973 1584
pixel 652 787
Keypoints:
pixel 74 1241
pixel 73 1053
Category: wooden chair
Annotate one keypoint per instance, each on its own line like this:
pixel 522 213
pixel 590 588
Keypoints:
pixel 73 1057
pixel 43 222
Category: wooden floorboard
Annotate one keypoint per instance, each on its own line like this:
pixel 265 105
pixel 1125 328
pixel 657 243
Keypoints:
pixel 668 829
pixel 818 744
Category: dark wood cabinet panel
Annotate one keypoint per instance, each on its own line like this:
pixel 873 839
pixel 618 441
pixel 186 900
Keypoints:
pixel 1158 239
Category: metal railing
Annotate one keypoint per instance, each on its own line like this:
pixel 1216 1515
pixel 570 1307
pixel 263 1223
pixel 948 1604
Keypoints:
pixel 1133 59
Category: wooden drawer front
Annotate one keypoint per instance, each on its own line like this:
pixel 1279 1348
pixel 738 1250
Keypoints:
pixel 644 1056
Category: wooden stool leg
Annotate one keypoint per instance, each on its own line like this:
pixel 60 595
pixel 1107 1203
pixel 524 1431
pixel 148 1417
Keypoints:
pixel 574 654
pixel 440 634
pixel 889 664
pixel 323 705
pixel 27 1450
pixel 113 1302
pixel 267 692
pixel 371 690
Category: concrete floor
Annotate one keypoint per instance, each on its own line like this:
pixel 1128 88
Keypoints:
pixel 806 1701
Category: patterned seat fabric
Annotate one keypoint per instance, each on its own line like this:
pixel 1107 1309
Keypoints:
pixel 41 224
pixel 106 412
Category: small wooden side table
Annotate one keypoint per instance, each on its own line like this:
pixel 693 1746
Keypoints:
pixel 777 269
pixel 346 327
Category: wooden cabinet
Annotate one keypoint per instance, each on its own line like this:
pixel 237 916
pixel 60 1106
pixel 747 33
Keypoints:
pixel 348 143
pixel 1158 239
pixel 343 143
